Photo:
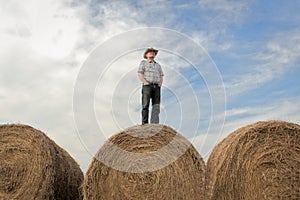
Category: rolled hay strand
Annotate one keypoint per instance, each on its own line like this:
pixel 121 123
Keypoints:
pixel 258 161
pixel 34 167
pixel 146 162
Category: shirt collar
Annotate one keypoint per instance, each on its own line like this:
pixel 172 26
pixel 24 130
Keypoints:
pixel 150 62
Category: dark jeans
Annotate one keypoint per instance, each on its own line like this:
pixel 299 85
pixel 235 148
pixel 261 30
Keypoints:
pixel 151 91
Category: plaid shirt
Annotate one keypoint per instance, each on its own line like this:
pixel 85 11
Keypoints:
pixel 151 70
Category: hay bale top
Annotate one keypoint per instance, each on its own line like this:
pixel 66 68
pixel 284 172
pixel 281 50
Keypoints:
pixel 34 167
pixel 155 144
pixel 173 169
pixel 259 159
pixel 273 132
pixel 145 138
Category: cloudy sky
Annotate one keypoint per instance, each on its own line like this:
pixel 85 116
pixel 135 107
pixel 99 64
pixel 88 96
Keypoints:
pixel 65 64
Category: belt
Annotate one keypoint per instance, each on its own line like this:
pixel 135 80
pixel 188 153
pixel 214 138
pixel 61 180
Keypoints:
pixel 153 83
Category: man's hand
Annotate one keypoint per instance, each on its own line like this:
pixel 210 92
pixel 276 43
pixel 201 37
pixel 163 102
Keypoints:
pixel 160 84
pixel 141 76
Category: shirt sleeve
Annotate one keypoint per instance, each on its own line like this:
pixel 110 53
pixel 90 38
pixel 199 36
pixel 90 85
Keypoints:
pixel 142 67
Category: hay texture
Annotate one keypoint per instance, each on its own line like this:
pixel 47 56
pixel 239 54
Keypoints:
pixel 148 175
pixel 258 161
pixel 34 167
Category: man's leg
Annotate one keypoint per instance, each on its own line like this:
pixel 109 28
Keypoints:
pixel 146 94
pixel 155 105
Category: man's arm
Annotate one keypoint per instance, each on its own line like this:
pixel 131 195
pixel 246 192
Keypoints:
pixel 161 80
pixel 161 76
pixel 141 71
pixel 141 76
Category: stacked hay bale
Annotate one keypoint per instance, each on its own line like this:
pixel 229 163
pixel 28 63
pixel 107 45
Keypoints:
pixel 33 167
pixel 258 161
pixel 146 162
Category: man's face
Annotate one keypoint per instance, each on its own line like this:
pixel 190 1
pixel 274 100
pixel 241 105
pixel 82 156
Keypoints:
pixel 150 54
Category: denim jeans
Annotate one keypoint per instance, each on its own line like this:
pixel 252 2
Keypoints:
pixel 151 91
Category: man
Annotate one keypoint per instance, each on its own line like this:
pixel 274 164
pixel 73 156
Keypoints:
pixel 151 74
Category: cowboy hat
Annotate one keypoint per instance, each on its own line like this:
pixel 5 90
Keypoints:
pixel 150 50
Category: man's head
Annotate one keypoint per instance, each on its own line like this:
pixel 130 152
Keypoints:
pixel 150 53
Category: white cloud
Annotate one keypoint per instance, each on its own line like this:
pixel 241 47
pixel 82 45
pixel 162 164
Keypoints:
pixel 48 28
pixel 224 5
pixel 216 35
pixel 276 58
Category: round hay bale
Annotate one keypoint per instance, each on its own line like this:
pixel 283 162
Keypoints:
pixel 146 162
pixel 34 167
pixel 258 161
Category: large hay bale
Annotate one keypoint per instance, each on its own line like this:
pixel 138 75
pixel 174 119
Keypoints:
pixel 34 167
pixel 146 162
pixel 258 161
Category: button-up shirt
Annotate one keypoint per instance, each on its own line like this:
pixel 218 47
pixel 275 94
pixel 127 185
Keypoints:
pixel 151 71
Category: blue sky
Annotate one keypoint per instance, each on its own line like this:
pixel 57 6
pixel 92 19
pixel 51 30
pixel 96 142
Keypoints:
pixel 255 46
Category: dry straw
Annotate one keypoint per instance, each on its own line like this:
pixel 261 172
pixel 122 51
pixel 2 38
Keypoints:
pixel 181 179
pixel 258 161
pixel 34 167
